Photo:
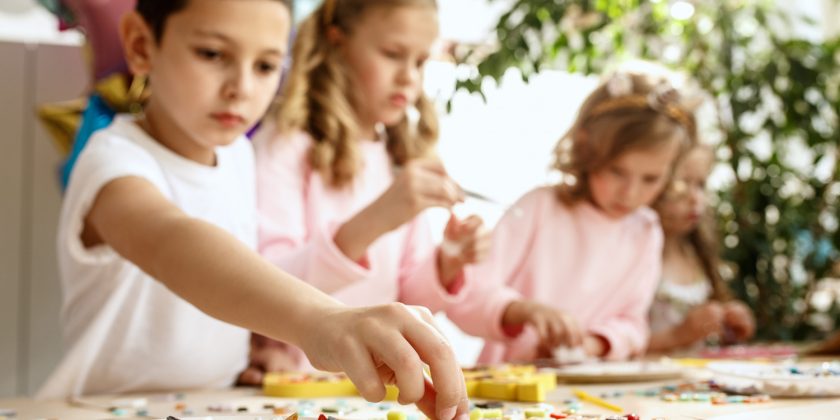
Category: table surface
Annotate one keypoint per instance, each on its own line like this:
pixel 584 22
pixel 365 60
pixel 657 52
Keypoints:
pixel 625 396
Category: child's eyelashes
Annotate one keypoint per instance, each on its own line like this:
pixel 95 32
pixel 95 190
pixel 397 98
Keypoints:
pixel 623 174
pixel 393 55
pixel 208 54
pixel 651 179
pixel 266 67
pixel 618 172
pixel 211 55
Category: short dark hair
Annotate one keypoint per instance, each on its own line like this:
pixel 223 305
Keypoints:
pixel 156 12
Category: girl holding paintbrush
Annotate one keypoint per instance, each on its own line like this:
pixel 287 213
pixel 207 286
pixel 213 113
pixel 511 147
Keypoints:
pixel 348 166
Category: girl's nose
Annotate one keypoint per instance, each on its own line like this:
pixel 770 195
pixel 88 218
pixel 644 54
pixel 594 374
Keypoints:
pixel 409 74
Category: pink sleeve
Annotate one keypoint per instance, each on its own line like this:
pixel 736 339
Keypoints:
pixel 627 332
pixel 287 238
pixel 489 292
pixel 419 280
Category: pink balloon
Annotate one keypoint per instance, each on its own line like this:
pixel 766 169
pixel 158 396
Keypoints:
pixel 100 21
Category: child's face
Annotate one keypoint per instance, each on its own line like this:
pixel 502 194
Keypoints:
pixel 216 69
pixel 632 180
pixel 683 204
pixel 386 52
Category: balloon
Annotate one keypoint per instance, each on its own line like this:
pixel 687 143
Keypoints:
pixel 100 21
pixel 97 115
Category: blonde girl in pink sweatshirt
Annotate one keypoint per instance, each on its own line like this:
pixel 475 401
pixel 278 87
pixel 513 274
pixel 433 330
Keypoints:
pixel 347 166
pixel 575 265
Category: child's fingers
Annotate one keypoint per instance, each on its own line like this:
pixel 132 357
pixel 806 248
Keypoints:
pixel 472 224
pixel 575 332
pixel 451 397
pixel 405 364
pixel 742 325
pixel 554 333
pixel 453 225
pixel 566 334
pixel 437 191
pixel 436 169
pixel 359 367
pixel 475 249
pixel 543 328
pixel 427 402
pixel 425 315
pixel 252 375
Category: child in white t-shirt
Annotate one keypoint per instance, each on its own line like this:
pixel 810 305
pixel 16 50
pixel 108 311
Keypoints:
pixel 157 232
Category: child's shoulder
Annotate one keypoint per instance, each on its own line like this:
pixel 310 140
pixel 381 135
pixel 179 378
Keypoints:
pixel 645 219
pixel 542 202
pixel 122 139
pixel 539 196
pixel 645 223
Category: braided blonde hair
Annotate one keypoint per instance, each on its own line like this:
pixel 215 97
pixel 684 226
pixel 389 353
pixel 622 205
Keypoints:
pixel 629 111
pixel 318 97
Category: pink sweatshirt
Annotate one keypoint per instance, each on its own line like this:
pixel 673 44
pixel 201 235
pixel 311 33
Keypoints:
pixel 299 215
pixel 601 271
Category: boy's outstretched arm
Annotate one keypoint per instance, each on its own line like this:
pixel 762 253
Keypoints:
pixel 221 276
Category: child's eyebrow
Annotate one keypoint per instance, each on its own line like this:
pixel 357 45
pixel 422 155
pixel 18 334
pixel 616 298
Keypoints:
pixel 222 37
pixel 212 34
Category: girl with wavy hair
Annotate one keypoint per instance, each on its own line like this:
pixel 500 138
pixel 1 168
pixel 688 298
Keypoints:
pixel 574 266
pixel 348 166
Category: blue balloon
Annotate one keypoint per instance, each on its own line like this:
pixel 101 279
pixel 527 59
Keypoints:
pixel 97 115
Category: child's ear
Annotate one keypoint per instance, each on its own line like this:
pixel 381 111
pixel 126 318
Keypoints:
pixel 138 43
pixel 335 36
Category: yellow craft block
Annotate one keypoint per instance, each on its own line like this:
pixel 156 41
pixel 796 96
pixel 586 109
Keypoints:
pixel 396 415
pixel 531 413
pixel 531 392
pixel 491 413
pixel 472 388
pixel 287 385
pixel 519 370
pixel 548 379
pixel 497 390
pixel 392 393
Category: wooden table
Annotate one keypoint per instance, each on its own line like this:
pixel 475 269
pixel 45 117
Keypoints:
pixel 159 406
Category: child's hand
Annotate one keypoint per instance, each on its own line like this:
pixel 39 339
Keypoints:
pixel 266 356
pixel 464 242
pixel 738 319
pixel 419 185
pixel 702 321
pixel 554 327
pixel 390 344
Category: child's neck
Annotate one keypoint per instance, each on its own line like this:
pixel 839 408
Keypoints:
pixel 166 132
pixel 676 244
pixel 368 132
pixel 680 263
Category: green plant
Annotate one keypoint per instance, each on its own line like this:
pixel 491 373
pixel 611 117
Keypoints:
pixel 779 217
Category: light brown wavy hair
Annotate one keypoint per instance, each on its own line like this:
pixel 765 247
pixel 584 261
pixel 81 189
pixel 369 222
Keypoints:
pixel 318 96
pixel 703 240
pixel 647 113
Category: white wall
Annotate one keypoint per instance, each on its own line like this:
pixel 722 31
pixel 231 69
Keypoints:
pixel 39 65
pixel 34 74
pixel 13 66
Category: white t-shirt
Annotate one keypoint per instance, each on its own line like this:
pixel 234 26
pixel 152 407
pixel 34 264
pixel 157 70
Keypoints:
pixel 123 330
